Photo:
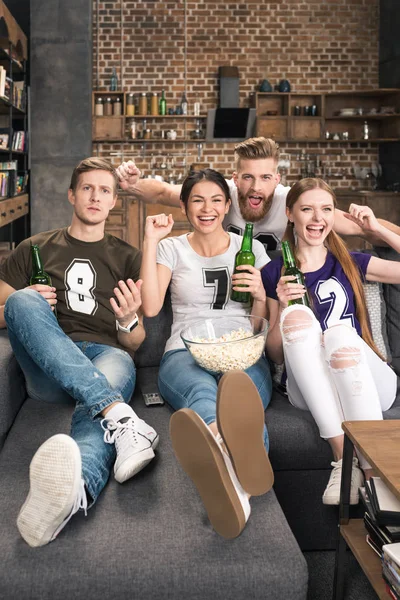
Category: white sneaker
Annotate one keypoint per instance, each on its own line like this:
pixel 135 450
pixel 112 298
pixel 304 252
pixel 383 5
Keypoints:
pixel 57 491
pixel 331 495
pixel 147 431
pixel 134 449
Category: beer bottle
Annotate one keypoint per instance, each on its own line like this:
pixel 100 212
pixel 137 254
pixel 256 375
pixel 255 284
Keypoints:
pixel 245 256
pixel 39 275
pixel 163 104
pixel 291 269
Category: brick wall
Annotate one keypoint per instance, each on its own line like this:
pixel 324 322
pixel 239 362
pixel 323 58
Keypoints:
pixel 330 45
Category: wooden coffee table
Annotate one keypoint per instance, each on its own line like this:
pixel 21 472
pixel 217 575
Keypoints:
pixel 379 442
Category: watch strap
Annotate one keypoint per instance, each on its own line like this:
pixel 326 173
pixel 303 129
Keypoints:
pixel 130 327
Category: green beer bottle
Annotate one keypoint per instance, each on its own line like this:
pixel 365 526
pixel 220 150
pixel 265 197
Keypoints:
pixel 39 275
pixel 245 256
pixel 162 109
pixel 291 269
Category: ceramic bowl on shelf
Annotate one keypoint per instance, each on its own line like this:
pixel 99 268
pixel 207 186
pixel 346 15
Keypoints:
pixel 226 343
pixel 348 112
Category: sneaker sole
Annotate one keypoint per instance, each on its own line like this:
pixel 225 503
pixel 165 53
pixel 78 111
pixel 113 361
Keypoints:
pixel 200 457
pixel 55 473
pixel 133 465
pixel 240 421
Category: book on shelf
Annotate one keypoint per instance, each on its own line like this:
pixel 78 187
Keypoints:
pixel 3 74
pixel 8 86
pixel 373 545
pixel 18 141
pixel 19 94
pixel 383 503
pixel 390 533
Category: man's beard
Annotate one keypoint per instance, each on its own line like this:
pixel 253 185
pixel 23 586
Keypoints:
pixel 248 213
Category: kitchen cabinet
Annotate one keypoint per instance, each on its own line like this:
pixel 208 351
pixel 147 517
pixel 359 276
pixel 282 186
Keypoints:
pixel 341 116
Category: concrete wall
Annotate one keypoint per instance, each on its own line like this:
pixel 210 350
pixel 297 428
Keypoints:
pixel 61 75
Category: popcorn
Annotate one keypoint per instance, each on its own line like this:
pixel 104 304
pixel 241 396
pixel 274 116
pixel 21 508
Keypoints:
pixel 243 351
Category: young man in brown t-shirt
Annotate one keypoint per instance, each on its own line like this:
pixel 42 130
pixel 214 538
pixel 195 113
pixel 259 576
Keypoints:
pixel 81 353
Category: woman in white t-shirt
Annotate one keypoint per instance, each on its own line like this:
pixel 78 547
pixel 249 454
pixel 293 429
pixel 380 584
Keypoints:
pixel 218 433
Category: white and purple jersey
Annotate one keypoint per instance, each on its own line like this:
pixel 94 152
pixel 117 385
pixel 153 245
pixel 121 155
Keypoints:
pixel 330 290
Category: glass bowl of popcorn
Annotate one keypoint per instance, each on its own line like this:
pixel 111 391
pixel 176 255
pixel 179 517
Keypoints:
pixel 223 344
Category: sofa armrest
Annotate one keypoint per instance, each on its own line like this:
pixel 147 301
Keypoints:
pixel 12 386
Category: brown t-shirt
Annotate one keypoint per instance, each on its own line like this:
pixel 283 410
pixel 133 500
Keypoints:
pixel 84 275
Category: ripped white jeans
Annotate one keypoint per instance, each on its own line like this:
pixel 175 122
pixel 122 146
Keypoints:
pixel 334 374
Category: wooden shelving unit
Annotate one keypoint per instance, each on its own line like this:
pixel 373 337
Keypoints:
pixel 286 126
pixel 112 128
pixel 13 119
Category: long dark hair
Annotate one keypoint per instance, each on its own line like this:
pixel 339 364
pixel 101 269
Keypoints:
pixel 207 175
pixel 339 250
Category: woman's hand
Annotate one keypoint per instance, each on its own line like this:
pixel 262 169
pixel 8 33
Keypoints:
pixel 364 217
pixel 250 278
pixel 287 290
pixel 158 227
pixel 128 175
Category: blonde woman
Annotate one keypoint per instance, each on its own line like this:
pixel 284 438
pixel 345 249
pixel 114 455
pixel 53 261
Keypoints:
pixel 332 365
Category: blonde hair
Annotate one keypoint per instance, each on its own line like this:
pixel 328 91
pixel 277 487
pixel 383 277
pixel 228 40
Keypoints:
pixel 92 164
pixel 256 148
pixel 338 248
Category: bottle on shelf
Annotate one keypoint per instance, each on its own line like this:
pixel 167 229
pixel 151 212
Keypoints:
pixel 291 269
pixel 245 256
pixel 143 104
pixel 130 105
pixel 184 104
pixel 117 107
pixel 154 104
pixel 163 104
pixel 365 131
pixel 98 107
pixel 132 129
pixel 114 81
pixel 108 109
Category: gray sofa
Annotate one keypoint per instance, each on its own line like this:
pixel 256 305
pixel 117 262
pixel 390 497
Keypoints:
pixel 150 537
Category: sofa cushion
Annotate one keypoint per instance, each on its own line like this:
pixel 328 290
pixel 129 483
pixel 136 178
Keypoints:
pixel 148 538
pixel 391 293
pixel 12 386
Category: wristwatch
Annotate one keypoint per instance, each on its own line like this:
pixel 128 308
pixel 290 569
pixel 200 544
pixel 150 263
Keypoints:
pixel 130 327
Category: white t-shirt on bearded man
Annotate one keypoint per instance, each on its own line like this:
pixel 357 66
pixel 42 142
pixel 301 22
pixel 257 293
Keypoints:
pixel 269 231
pixel 200 286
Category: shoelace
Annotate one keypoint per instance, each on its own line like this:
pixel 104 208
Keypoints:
pixel 80 502
pixel 337 473
pixel 120 434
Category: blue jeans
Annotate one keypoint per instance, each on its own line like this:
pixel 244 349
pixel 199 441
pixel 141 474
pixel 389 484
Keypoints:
pixel 186 385
pixel 56 368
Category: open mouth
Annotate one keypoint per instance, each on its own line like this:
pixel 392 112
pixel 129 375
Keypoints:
pixel 315 231
pixel 255 201
pixel 207 220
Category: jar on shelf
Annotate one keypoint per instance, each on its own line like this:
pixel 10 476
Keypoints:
pixel 147 134
pixel 132 129
pixel 117 107
pixel 108 109
pixel 130 105
pixel 154 104
pixel 143 104
pixel 98 107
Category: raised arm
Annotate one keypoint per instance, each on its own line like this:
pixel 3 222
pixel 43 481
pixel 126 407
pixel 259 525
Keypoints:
pixel 147 190
pixel 345 225
pixel 155 277
pixel 384 271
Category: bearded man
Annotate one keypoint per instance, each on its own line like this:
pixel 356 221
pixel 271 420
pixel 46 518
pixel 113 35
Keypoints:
pixel 256 193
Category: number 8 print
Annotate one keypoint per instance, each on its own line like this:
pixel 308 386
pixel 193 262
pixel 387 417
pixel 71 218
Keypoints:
pixel 80 281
